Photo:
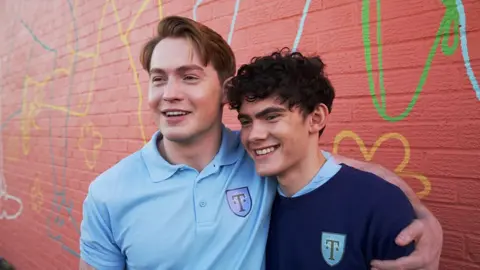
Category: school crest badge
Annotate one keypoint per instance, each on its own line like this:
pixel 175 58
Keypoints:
pixel 239 201
pixel 333 247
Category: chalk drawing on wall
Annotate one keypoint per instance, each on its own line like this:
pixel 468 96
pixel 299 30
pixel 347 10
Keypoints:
pixel 232 23
pixel 7 200
pixel 36 195
pixel 33 100
pixel 90 152
pixel 124 37
pixel 368 155
pixel 450 20
pixel 301 25
pixel 462 20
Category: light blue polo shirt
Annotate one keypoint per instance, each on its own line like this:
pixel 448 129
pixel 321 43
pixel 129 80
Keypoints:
pixel 145 213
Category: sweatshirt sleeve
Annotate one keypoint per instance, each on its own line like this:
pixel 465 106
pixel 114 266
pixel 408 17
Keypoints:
pixel 392 213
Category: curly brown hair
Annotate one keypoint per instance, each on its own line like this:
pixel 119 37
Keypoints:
pixel 297 80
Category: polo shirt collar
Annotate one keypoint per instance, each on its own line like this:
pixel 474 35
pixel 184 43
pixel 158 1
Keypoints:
pixel 159 169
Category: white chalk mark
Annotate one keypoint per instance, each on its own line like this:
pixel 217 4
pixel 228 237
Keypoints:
pixel 4 196
pixel 197 3
pixel 300 26
pixel 234 20
pixel 462 20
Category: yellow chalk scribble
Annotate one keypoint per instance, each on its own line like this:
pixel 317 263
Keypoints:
pixel 36 195
pixel 368 155
pixel 31 109
pixel 89 132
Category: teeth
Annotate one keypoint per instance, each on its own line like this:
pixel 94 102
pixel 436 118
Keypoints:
pixel 264 151
pixel 175 113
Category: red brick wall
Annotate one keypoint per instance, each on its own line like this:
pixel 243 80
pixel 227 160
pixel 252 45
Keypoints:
pixel 72 102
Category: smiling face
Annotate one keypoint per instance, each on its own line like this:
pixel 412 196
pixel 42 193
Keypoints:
pixel 276 137
pixel 185 94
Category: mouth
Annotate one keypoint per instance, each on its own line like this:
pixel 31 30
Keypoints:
pixel 174 113
pixel 266 151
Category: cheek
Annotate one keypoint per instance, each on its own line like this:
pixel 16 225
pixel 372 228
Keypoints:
pixel 294 141
pixel 206 101
pixel 154 97
pixel 244 136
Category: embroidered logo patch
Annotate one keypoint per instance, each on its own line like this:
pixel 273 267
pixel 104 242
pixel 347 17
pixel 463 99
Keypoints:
pixel 333 247
pixel 239 201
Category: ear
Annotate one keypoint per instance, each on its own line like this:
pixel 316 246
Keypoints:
pixel 318 118
pixel 225 89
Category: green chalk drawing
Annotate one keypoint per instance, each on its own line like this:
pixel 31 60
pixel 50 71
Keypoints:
pixel 451 18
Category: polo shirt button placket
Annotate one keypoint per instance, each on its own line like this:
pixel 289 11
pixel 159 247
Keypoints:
pixel 203 204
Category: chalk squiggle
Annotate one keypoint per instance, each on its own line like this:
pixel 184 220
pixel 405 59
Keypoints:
pixel 462 20
pixel 195 6
pixel 4 195
pixel 300 26
pixel 232 24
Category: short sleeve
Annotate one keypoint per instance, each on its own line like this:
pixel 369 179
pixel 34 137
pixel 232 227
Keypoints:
pixel 97 247
pixel 393 212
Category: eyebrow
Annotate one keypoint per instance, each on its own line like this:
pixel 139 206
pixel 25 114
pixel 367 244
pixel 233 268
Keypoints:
pixel 264 112
pixel 181 69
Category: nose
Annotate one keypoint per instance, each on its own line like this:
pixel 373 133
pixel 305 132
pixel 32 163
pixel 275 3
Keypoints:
pixel 258 132
pixel 172 91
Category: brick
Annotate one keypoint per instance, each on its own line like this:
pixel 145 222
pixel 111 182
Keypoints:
pixel 453 244
pixel 329 19
pixel 456 218
pixel 452 163
pixel 473 248
pixel 468 192
pixel 259 12
pixel 443 190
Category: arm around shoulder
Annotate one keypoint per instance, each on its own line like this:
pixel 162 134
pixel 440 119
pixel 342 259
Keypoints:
pixel 97 245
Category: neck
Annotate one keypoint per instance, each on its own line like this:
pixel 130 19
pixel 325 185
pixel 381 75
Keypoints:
pixel 301 174
pixel 196 153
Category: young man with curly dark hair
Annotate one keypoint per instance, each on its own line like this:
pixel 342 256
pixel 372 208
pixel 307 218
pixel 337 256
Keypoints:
pixel 325 214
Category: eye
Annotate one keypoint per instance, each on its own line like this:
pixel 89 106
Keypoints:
pixel 244 122
pixel 271 117
pixel 158 79
pixel 190 78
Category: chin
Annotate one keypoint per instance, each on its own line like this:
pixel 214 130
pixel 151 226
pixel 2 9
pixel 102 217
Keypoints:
pixel 267 171
pixel 177 134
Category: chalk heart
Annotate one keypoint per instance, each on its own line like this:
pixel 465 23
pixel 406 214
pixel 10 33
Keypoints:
pixel 368 155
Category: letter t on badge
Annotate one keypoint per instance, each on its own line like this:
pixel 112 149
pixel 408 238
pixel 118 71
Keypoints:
pixel 333 247
pixel 239 201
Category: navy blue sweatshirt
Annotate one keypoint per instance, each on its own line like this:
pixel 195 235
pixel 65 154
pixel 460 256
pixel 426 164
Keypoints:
pixel 343 224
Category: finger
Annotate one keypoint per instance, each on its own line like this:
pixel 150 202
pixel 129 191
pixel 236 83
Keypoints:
pixel 411 262
pixel 413 231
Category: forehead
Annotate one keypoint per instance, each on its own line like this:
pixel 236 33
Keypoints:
pixel 171 53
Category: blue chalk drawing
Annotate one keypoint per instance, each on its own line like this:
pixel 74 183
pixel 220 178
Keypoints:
pixel 232 24
pixel 197 3
pixel 300 26
pixel 463 39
